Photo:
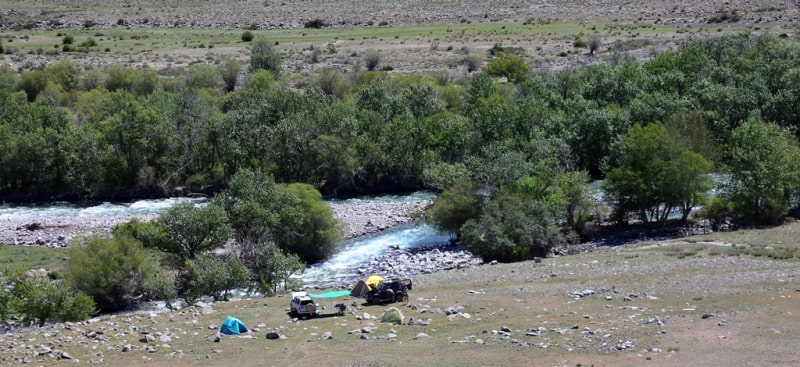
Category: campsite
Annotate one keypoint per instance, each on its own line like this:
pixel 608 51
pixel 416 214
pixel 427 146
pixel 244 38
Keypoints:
pixel 264 126
pixel 700 301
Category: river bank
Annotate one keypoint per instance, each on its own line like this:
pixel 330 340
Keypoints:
pixel 358 218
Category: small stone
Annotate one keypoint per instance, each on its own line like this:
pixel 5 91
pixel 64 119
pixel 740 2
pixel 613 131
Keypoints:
pixel 214 338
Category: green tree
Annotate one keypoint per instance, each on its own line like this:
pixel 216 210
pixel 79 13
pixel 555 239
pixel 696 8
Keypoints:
pixel 764 163
pixel 159 285
pixel 41 300
pixel 257 211
pixel 507 65
pixel 110 270
pixel 229 71
pixel 215 276
pixel 203 76
pixel 193 230
pixel 512 229
pixel 316 234
pixel 264 56
pixel 691 182
pixel 655 176
pixel 454 207
pixel 274 267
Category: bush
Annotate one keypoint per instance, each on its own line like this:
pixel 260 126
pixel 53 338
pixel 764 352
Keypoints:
pixel 371 60
pixel 317 231
pixel 265 57
pixel 579 43
pixel 247 36
pixel 474 60
pixel 159 285
pixel 214 276
pixel 68 39
pixel 40 300
pixel 315 23
pixel 273 268
pixel 510 229
pixel 510 66
pixel 110 270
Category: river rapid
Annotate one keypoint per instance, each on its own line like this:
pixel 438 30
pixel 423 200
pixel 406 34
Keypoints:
pixel 374 226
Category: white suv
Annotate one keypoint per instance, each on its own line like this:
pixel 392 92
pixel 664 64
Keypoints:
pixel 302 304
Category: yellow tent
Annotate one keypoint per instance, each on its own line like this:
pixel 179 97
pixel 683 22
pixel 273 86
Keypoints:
pixel 363 287
pixel 373 281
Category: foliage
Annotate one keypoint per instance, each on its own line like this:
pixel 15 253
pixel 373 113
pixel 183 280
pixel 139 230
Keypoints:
pixel 274 267
pixel 371 59
pixel 655 177
pixel 264 56
pixel 315 23
pixel 215 276
pixel 507 65
pixel 512 229
pixel 455 206
pixel 41 300
pixel 110 270
pixel 764 172
pixel 192 230
pixel 159 284
pixel 317 232
pixel 72 133
pixel 247 36
pixel 229 71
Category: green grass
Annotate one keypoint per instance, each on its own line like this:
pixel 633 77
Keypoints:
pixel 16 258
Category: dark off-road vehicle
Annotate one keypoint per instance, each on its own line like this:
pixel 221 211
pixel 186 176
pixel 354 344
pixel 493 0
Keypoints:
pixel 390 290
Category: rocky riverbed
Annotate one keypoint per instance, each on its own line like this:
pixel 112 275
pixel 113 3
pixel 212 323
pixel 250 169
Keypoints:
pixel 358 219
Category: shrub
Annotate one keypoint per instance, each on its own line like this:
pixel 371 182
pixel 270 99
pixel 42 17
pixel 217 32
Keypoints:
pixel 579 43
pixel 247 36
pixel 265 57
pixel 68 39
pixel 40 300
pixel 273 268
pixel 315 23
pixel 371 59
pixel 214 276
pixel 510 66
pixel 110 270
pixel 594 44
pixel 474 60
pixel 159 285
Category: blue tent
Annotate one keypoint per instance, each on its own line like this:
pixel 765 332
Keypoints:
pixel 232 326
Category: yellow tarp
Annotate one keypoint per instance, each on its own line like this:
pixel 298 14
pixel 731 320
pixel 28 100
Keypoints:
pixel 373 281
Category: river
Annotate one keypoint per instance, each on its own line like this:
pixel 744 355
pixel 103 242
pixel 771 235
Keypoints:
pixel 339 269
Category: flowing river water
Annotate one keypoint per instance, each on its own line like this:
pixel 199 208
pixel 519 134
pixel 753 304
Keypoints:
pixel 339 269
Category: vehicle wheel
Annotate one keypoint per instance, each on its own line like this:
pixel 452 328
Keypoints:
pixel 398 297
